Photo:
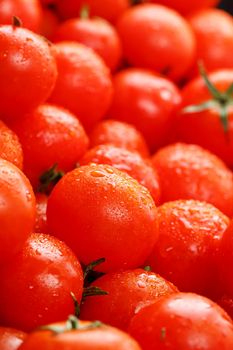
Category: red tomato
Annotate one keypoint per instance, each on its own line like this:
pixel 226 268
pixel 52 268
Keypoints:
pixel 50 135
pixel 183 321
pixel 158 38
pixel 79 335
pixel 213 29
pixel 10 147
pixel 190 172
pixel 102 212
pixel 118 134
pixel 84 84
pixel 17 210
pixel 95 33
pixel 111 10
pixel 28 58
pixel 189 237
pixel 130 162
pixel 147 101
pixel 41 217
pixel 36 284
pixel 11 339
pixel 210 127
pixel 185 7
pixel 49 23
pixel 29 13
pixel 128 292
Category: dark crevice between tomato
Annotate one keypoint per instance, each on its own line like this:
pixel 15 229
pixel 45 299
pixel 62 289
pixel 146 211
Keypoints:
pixel 16 22
pixel 49 179
pixel 220 100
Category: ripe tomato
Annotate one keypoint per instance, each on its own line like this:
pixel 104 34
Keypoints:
pixel 128 292
pixel 210 124
pixel 84 84
pixel 50 135
pixel 147 101
pixel 17 210
pixel 28 58
pixel 183 321
pixel 185 7
pixel 29 13
pixel 49 23
pixel 102 212
pixel 213 29
pixel 189 237
pixel 118 134
pixel 11 339
pixel 95 33
pixel 10 147
pixel 36 284
pixel 167 43
pixel 130 162
pixel 190 172
pixel 41 217
pixel 79 335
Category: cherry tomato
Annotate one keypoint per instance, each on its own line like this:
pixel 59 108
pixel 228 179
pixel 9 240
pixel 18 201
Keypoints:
pixel 28 58
pixel 147 101
pixel 213 29
pixel 50 135
pixel 10 147
pixel 11 339
pixel 79 335
pixel 102 212
pixel 167 43
pixel 210 124
pixel 128 292
pixel 190 233
pixel 190 172
pixel 36 284
pixel 49 23
pixel 29 13
pixel 118 134
pixel 41 217
pixel 183 321
pixel 130 162
pixel 17 210
pixel 84 85
pixel 95 33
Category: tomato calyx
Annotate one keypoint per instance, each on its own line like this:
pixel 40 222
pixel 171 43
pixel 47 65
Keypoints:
pixel 49 179
pixel 90 276
pixel 85 12
pixel 92 291
pixel 220 100
pixel 16 22
pixel 76 305
pixel 147 268
pixel 71 324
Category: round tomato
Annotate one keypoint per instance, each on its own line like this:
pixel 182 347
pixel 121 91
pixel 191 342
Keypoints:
pixel 49 23
pixel 11 339
pixel 36 285
pixel 183 321
pixel 102 212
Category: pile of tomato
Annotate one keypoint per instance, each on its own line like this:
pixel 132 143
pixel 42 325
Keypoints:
pixel 116 182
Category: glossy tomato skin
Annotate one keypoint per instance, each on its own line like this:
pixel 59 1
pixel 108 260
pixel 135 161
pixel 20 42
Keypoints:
pixel 95 33
pixel 183 321
pixel 101 338
pixel 84 84
pixel 30 16
pixel 205 128
pixel 49 23
pixel 119 134
pixel 190 233
pixel 130 162
pixel 45 272
pixel 17 210
pixel 167 47
pixel 41 217
pixel 213 30
pixel 11 339
pixel 29 59
pixel 10 147
pixel 190 172
pixel 147 101
pixel 102 212
pixel 50 135
pixel 128 292
pixel 111 10
pixel 186 7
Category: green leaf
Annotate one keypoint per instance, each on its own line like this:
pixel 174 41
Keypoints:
pixel 200 108
pixel 90 267
pixel 212 89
